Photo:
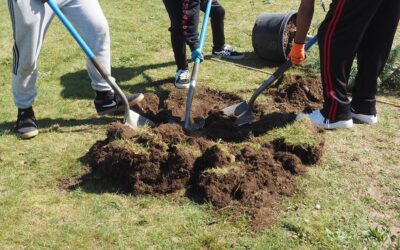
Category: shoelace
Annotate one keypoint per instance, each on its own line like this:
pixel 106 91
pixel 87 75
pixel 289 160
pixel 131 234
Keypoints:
pixel 225 52
pixel 184 75
pixel 26 120
pixel 229 48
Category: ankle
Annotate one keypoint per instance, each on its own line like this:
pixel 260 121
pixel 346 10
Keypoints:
pixel 218 48
pixel 26 112
pixel 104 93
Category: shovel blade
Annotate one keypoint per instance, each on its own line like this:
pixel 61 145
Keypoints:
pixel 135 120
pixel 236 109
pixel 196 125
pixel 245 118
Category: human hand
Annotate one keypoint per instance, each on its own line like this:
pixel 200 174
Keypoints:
pixel 297 53
pixel 196 54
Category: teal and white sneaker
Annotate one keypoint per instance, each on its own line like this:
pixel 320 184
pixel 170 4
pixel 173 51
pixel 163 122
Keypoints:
pixel 318 119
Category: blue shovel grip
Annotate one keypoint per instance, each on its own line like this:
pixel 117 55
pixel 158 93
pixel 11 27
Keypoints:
pixel 205 24
pixel 311 42
pixel 71 29
pixel 204 28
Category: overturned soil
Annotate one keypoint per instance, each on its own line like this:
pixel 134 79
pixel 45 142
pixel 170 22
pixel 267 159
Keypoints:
pixel 220 164
pixel 288 35
pixel 301 95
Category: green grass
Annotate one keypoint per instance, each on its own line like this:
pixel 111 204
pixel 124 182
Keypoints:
pixel 356 184
pixel 300 133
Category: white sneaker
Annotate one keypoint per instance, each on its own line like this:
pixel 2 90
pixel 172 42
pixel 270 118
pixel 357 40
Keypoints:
pixel 318 119
pixel 368 119
pixel 182 79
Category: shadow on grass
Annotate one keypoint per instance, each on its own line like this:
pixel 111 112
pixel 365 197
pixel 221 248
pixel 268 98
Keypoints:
pixel 76 85
pixel 58 124
pixel 250 60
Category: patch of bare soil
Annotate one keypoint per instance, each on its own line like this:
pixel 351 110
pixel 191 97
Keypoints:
pixel 165 159
pixel 170 104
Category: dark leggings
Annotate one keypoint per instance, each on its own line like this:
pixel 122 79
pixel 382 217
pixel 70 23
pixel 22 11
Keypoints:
pixel 174 8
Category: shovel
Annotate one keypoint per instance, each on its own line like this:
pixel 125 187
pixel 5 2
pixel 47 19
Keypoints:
pixel 188 125
pixel 131 118
pixel 244 110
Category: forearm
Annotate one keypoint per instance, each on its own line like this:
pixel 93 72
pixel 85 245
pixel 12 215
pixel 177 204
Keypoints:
pixel 303 21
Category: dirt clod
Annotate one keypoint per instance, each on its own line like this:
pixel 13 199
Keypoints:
pixel 216 156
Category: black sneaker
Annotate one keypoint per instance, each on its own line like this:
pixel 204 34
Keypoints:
pixel 106 102
pixel 228 52
pixel 26 126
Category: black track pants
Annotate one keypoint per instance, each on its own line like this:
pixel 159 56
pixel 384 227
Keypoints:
pixel 353 28
pixel 175 12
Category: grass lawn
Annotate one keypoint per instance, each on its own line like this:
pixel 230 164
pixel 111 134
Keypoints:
pixel 350 199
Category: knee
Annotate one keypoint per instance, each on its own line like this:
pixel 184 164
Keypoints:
pixel 101 28
pixel 98 38
pixel 176 29
pixel 24 68
pixel 218 12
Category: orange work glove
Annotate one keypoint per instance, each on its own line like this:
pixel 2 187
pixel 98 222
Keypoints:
pixel 297 53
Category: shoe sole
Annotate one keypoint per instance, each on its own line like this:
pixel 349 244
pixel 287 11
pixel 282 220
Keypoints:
pixel 185 86
pixel 121 108
pixel 331 126
pixel 337 125
pixel 28 135
pixel 364 121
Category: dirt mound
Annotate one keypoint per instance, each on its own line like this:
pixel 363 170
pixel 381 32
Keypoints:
pixel 302 94
pixel 234 170
pixel 143 163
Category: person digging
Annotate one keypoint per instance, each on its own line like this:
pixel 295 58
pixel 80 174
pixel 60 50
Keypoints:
pixel 30 20
pixel 351 28
pixel 184 18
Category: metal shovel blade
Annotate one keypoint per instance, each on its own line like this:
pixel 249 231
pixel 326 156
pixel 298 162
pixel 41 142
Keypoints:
pixel 192 126
pixel 236 109
pixel 245 118
pixel 135 120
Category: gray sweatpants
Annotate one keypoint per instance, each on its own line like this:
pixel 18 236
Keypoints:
pixel 30 21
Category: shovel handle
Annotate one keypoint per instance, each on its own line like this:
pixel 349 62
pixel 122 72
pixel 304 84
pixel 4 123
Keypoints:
pixel 278 73
pixel 196 67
